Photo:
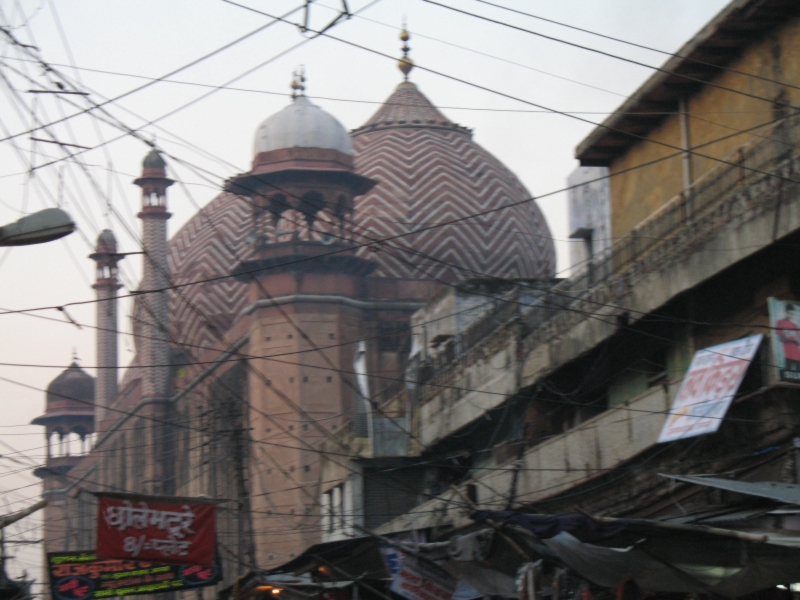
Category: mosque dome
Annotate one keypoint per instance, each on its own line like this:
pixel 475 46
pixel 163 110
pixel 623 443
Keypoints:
pixel 154 160
pixel 302 124
pixel 431 171
pixel 428 169
pixel 71 394
pixel 107 240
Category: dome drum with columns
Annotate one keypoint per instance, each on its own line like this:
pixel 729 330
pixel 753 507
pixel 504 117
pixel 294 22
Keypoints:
pixel 303 182
pixel 68 420
pixel 154 183
pixel 295 204
pixel 106 257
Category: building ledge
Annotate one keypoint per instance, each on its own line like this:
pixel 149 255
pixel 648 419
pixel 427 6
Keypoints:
pixel 733 215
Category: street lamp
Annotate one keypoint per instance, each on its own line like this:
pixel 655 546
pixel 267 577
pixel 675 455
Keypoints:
pixel 40 227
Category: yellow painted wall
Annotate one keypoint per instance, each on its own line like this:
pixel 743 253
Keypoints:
pixel 714 113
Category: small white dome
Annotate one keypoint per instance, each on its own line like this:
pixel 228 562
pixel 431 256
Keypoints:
pixel 304 125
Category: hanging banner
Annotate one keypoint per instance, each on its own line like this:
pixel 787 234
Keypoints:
pixel 421 580
pixel 708 388
pixel 784 318
pixel 156 528
pixel 80 576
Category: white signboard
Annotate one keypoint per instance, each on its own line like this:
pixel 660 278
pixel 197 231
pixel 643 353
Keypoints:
pixel 708 388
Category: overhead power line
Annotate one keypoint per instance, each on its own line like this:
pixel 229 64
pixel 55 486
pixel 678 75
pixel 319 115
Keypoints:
pixel 417 231
pixel 383 102
pixel 575 117
pixel 213 328
pixel 772 101
pixel 642 46
pixel 149 83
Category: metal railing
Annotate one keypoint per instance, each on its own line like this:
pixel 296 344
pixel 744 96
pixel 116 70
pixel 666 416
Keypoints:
pixel 683 219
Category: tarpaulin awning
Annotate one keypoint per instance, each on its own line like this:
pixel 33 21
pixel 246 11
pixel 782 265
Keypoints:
pixel 348 559
pixel 659 556
pixel 788 493
pixel 481 561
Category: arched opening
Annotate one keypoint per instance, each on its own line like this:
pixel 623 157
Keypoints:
pixel 58 442
pixel 325 228
pixel 153 198
pixel 52 443
pixel 106 271
pixel 267 226
pixel 342 212
pixel 310 204
pixel 71 444
pixel 290 227
pixel 82 447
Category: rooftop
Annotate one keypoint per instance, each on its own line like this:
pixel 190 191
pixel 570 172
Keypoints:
pixel 738 25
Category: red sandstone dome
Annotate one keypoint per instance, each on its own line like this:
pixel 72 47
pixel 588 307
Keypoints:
pixel 71 394
pixel 429 172
pixel 432 172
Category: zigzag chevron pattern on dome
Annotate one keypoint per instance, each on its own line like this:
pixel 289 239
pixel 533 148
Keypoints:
pixel 210 245
pixel 431 171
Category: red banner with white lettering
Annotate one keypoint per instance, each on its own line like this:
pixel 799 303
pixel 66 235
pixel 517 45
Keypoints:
pixel 155 528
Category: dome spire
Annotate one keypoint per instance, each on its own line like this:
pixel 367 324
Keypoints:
pixel 298 84
pixel 405 64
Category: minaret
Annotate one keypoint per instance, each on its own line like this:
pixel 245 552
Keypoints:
pixel 154 215
pixel 154 347
pixel 302 186
pixel 106 284
pixel 68 420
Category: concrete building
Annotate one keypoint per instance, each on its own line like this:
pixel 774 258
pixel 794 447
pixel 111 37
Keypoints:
pixel 589 212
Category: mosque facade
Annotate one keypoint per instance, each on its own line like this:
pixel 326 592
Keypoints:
pixel 278 317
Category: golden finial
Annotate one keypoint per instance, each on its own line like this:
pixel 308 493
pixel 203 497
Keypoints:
pixel 405 64
pixel 298 84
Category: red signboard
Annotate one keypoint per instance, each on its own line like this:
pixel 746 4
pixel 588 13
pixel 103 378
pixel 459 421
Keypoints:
pixel 173 531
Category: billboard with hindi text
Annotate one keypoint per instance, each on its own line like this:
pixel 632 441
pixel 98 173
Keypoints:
pixel 156 528
pixel 708 388
pixel 80 576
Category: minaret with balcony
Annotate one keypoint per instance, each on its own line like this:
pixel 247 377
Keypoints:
pixel 68 420
pixel 106 284
pixel 307 293
pixel 152 313
pixel 155 280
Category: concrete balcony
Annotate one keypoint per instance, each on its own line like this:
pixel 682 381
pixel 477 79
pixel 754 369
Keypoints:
pixel 734 211
pixel 557 464
pixel 569 468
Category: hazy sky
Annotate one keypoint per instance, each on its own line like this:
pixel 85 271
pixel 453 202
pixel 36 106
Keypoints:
pixel 213 137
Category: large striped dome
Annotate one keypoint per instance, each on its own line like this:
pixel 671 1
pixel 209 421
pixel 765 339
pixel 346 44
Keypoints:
pixel 430 171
